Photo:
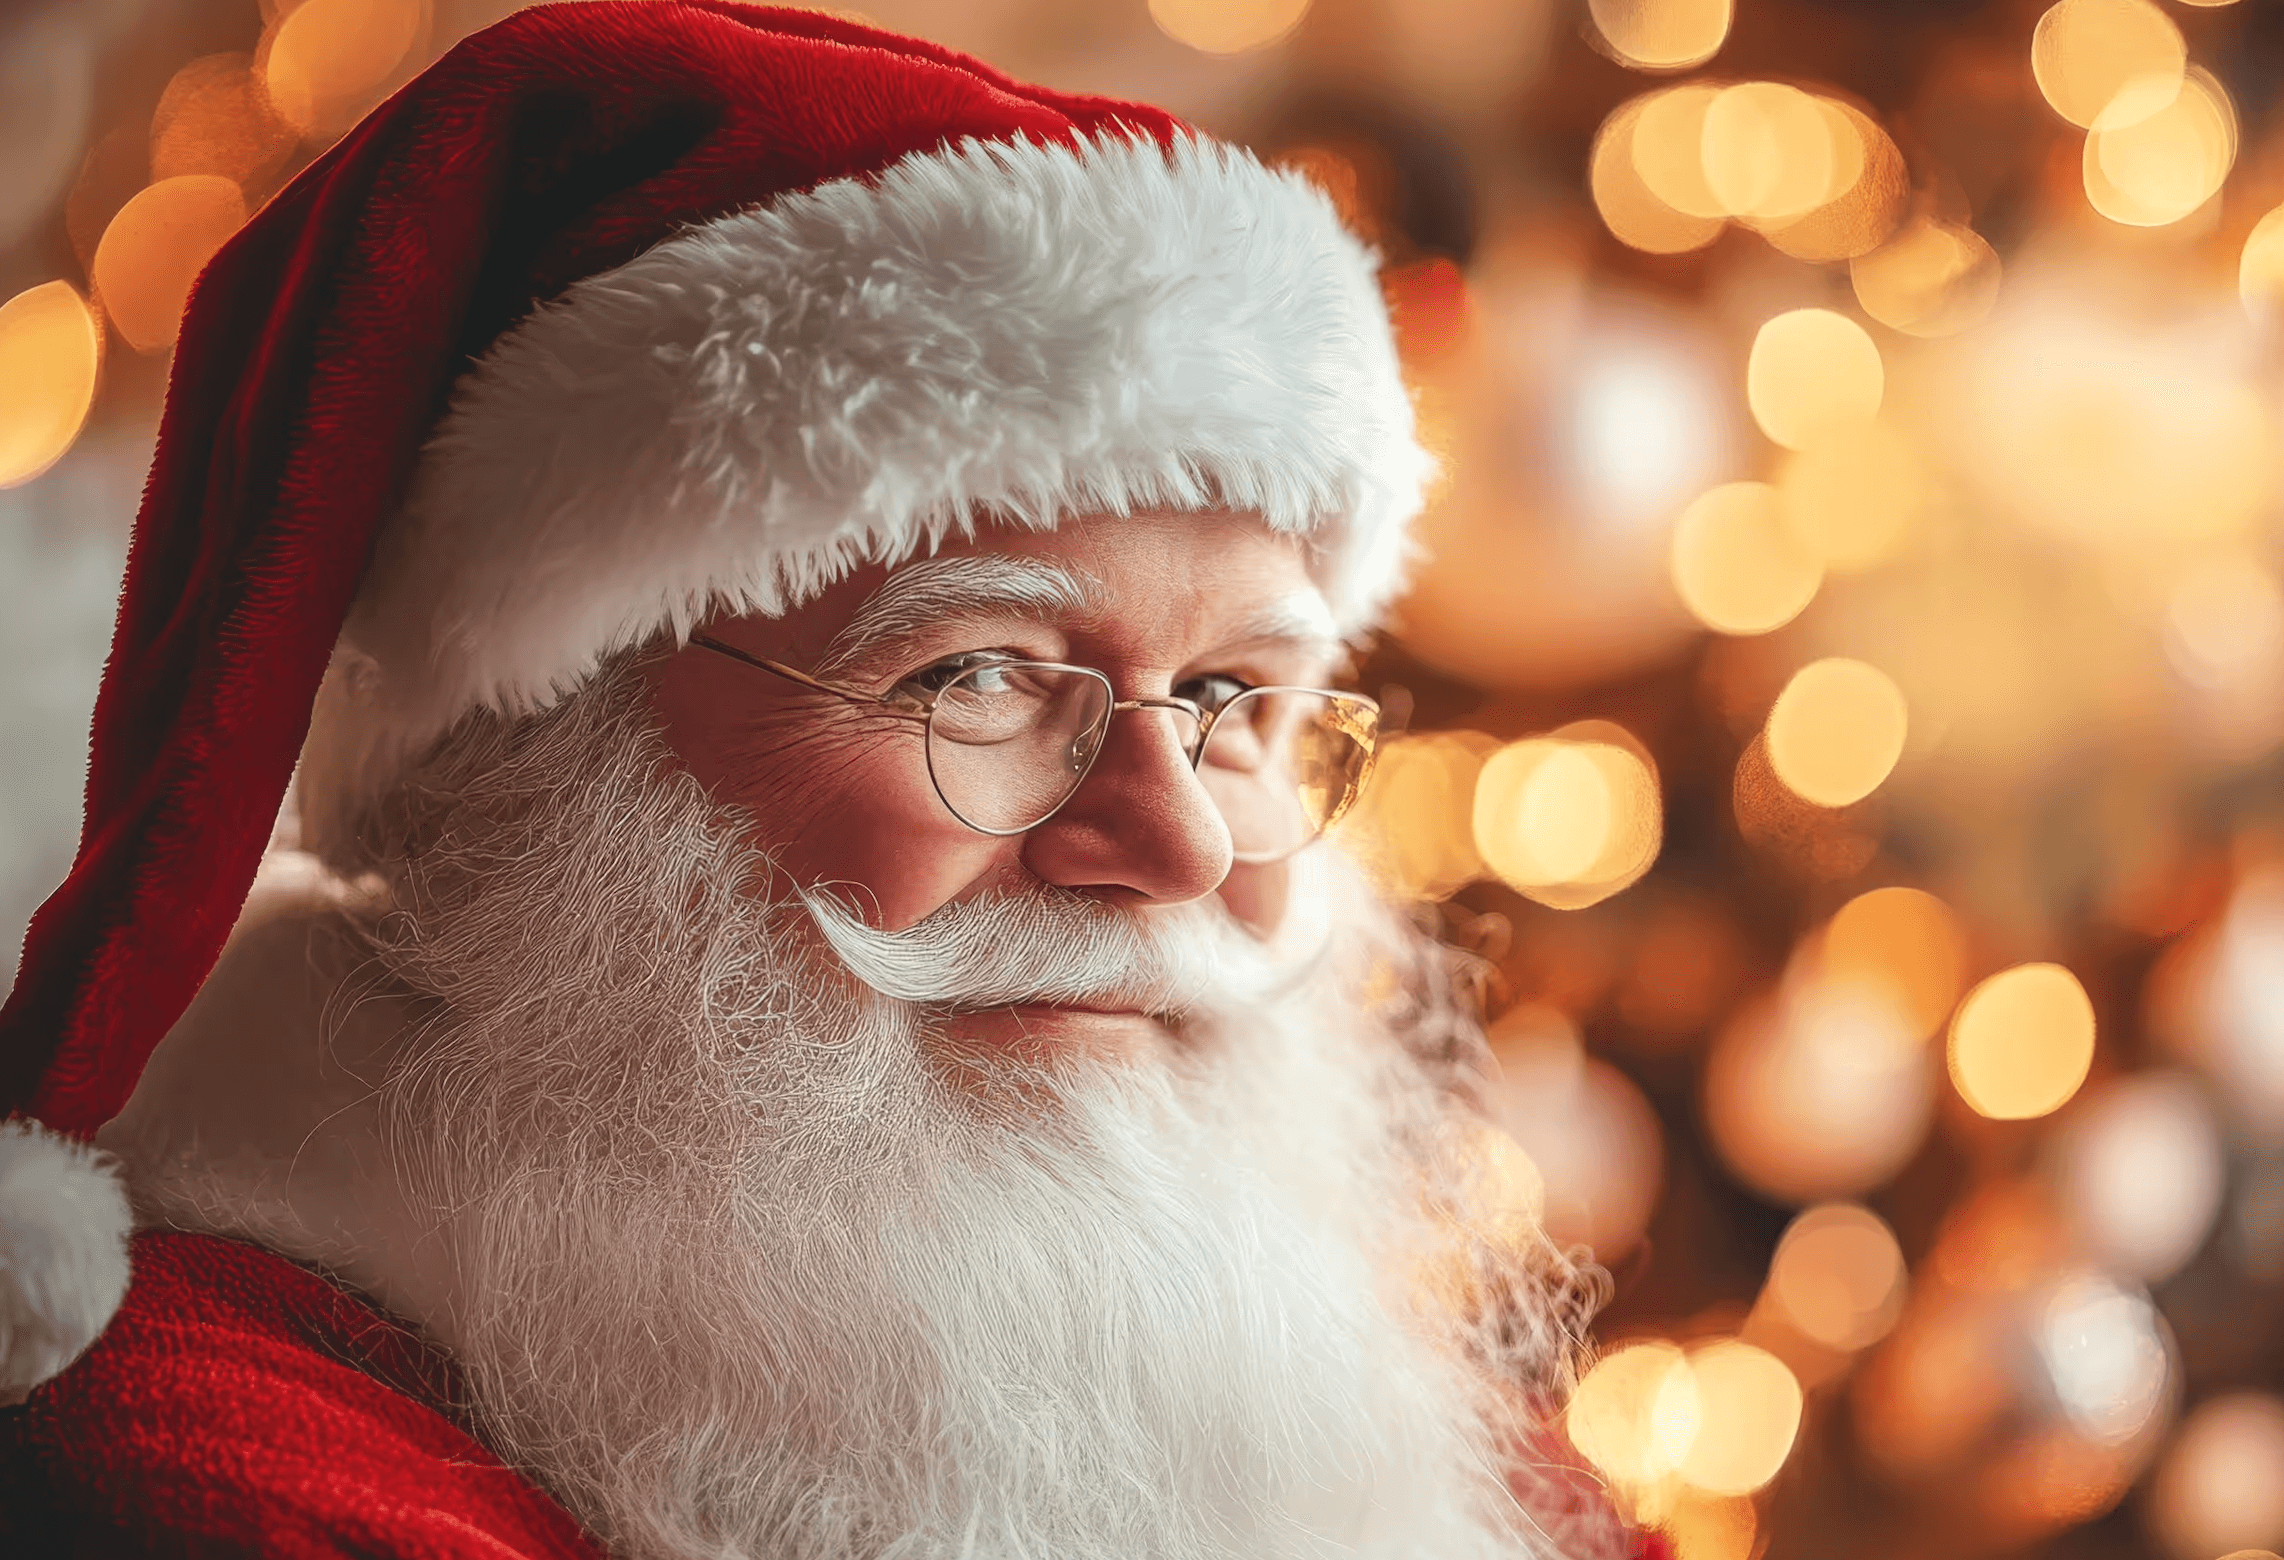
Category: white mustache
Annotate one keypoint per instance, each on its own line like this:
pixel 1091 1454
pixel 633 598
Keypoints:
pixel 1050 945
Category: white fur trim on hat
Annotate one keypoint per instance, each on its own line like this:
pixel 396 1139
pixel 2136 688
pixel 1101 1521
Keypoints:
pixel 63 1253
pixel 746 411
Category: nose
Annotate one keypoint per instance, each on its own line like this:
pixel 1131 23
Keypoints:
pixel 1140 825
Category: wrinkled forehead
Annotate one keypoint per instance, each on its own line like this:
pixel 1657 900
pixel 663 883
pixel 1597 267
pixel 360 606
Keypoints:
pixel 1221 576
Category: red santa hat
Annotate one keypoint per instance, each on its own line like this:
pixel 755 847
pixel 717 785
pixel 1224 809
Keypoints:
pixel 619 315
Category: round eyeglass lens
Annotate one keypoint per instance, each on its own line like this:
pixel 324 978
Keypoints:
pixel 1009 741
pixel 1284 763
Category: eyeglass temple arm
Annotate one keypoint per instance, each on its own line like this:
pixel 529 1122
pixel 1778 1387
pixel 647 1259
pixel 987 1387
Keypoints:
pixel 795 675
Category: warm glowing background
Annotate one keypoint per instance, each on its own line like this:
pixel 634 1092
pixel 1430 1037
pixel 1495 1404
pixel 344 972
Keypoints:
pixel 1844 696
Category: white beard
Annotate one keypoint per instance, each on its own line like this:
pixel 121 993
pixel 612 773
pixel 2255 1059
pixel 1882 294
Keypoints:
pixel 743 1271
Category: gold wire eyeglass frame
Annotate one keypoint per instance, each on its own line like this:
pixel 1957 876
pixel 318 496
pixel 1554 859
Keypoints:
pixel 907 704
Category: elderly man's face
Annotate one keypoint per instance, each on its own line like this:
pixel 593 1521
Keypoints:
pixel 756 1230
pixel 1196 605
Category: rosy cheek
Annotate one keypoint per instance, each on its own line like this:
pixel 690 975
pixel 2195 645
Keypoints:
pixel 831 803
pixel 876 831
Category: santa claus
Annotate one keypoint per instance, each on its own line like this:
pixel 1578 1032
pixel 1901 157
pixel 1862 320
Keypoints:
pixel 769 605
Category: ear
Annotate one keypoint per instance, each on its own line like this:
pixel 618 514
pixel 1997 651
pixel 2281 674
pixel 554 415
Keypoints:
pixel 63 1252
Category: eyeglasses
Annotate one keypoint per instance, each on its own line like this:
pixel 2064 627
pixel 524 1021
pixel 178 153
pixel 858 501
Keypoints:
pixel 1009 742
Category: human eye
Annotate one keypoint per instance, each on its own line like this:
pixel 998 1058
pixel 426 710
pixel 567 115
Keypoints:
pixel 1212 690
pixel 982 701
pixel 982 671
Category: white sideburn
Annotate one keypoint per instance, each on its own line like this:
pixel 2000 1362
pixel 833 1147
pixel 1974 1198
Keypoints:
pixel 258 1113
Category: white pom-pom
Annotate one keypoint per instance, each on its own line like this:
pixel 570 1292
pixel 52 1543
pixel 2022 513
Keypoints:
pixel 63 1253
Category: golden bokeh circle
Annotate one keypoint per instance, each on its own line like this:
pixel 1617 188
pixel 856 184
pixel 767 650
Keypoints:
pixel 1871 188
pixel 1838 1276
pixel 2122 57
pixel 327 61
pixel 153 250
pixel 2154 169
pixel 1669 149
pixel 1929 279
pixel 1227 26
pixel 2260 268
pixel 1749 1412
pixel 1813 375
pixel 51 355
pixel 1413 826
pixel 215 117
pixel 1907 944
pixel 1737 566
pixel 1769 152
pixel 1662 34
pixel 1836 731
pixel 1569 819
pixel 1629 208
pixel 2022 1042
pixel 1636 1414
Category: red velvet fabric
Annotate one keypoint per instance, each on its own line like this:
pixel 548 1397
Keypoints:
pixel 317 351
pixel 240 1406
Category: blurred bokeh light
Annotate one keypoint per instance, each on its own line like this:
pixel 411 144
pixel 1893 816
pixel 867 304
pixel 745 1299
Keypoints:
pixel 327 61
pixel 2116 60
pixel 1584 1125
pixel 154 249
pixel 2022 1041
pixel 1736 563
pixel 1838 1276
pixel 1813 376
pixel 50 350
pixel 1836 731
pixel 1821 1089
pixel 1662 34
pixel 1568 819
pixel 1931 278
pixel 2141 1169
pixel 2220 1489
pixel 1637 1413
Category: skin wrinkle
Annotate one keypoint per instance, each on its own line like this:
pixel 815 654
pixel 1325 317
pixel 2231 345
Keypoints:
pixel 846 741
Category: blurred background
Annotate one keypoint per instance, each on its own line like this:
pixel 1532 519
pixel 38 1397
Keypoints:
pixel 1843 690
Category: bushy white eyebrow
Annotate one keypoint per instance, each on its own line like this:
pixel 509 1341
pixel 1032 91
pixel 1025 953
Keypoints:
pixel 1303 619
pixel 922 594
